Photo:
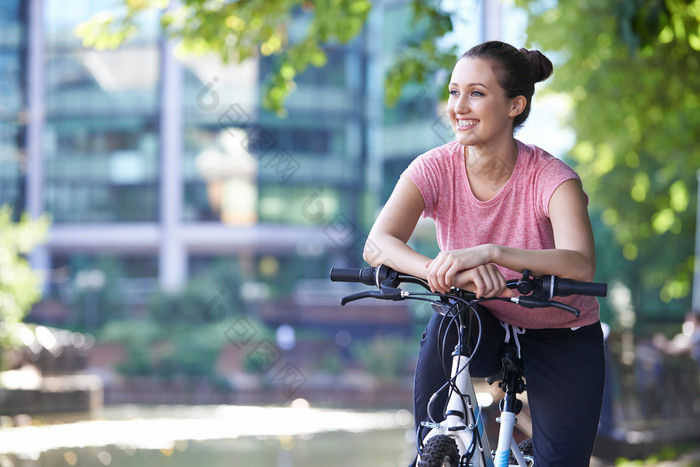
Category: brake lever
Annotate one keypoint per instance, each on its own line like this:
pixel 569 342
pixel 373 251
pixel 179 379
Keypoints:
pixel 529 302
pixel 386 293
pixel 565 307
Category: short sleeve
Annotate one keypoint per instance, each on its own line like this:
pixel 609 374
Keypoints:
pixel 424 172
pixel 552 175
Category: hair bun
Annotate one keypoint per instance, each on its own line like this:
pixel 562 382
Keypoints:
pixel 541 66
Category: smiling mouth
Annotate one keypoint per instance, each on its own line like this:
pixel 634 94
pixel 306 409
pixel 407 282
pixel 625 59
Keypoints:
pixel 466 124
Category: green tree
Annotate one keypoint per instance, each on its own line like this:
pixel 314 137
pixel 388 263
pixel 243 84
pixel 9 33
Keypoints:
pixel 20 285
pixel 631 68
pixel 239 30
pixel 384 357
pixel 183 332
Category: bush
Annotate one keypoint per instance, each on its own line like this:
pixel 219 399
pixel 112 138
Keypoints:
pixel 386 357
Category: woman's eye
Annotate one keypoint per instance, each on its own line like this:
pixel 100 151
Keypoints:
pixel 453 92
pixel 477 93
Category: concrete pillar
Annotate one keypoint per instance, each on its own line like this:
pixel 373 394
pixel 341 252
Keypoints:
pixel 374 171
pixel 40 258
pixel 172 254
pixel 491 14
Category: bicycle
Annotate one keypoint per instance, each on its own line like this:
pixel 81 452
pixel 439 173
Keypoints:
pixel 460 439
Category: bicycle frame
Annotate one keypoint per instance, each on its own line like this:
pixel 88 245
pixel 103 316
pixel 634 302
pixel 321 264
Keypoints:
pixel 461 424
pixel 463 421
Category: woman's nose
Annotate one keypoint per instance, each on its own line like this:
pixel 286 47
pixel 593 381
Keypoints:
pixel 461 105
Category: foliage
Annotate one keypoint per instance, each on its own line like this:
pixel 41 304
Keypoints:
pixel 385 356
pixel 20 286
pixel 295 32
pixel 631 70
pixel 644 24
pixel 137 338
pixel 666 453
pixel 421 56
pixel 208 297
pixel 239 30
pixel 183 332
pixel 95 300
pixel 332 363
pixel 154 350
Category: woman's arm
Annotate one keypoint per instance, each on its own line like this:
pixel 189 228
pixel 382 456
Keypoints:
pixel 573 256
pixel 574 253
pixel 388 238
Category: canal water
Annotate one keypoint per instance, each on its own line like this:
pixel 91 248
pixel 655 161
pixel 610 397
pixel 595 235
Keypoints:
pixel 207 436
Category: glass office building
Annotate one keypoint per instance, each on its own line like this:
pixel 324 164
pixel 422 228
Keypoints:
pixel 13 53
pixel 153 167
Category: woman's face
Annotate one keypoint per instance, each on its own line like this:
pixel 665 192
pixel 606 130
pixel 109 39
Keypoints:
pixel 478 109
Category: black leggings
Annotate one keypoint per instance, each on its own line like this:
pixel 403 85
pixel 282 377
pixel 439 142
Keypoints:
pixel 564 371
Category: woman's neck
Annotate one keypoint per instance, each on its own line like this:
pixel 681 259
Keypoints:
pixel 489 169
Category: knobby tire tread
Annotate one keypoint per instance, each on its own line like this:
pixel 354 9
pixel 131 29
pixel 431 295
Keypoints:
pixel 526 448
pixel 437 449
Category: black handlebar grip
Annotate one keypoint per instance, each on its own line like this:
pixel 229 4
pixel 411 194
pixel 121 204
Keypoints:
pixel 566 287
pixel 363 275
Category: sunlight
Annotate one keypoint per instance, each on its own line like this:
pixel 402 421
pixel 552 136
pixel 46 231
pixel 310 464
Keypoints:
pixel 163 431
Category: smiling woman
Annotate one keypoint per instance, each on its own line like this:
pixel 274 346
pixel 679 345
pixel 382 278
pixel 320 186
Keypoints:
pixel 501 206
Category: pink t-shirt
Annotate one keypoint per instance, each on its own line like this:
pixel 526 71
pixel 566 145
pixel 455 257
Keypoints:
pixel 518 216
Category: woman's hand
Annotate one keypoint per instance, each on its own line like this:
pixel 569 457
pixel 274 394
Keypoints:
pixel 485 281
pixel 445 267
pixel 468 269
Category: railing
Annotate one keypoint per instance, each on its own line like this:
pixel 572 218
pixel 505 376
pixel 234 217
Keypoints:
pixel 652 399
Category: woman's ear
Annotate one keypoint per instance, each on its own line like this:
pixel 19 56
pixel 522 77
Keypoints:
pixel 518 106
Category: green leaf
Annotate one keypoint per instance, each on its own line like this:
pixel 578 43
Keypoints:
pixel 20 286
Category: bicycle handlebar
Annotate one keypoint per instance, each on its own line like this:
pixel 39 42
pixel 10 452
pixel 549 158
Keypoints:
pixel 554 286
pixel 537 292
pixel 558 287
pixel 363 275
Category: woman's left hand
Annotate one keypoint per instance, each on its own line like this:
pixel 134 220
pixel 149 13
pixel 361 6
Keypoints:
pixel 443 270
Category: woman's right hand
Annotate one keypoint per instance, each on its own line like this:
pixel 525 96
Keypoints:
pixel 476 264
pixel 485 281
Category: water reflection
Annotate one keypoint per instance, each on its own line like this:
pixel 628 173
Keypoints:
pixel 212 436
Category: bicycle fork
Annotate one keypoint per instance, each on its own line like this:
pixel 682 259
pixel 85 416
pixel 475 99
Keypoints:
pixel 506 442
pixel 510 407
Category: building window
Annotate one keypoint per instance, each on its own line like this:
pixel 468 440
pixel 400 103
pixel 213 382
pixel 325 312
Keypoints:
pixel 12 103
pixel 101 170
pixel 100 141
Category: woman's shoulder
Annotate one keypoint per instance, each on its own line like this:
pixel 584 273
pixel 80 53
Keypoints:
pixel 538 159
pixel 534 153
pixel 441 155
pixel 436 166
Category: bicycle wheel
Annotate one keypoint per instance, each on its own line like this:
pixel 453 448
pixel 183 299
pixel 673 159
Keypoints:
pixel 527 450
pixel 439 451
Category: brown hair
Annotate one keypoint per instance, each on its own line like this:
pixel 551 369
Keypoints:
pixel 517 70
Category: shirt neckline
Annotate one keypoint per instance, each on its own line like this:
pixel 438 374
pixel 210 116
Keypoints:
pixel 504 189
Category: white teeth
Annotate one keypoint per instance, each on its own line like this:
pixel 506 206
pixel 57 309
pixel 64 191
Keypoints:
pixel 464 123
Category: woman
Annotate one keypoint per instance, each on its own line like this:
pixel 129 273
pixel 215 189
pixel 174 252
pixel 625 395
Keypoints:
pixel 500 207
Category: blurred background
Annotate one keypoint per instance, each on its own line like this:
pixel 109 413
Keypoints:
pixel 179 177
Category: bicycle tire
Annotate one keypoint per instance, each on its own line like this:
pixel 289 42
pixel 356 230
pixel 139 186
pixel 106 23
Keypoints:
pixel 526 448
pixel 439 451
